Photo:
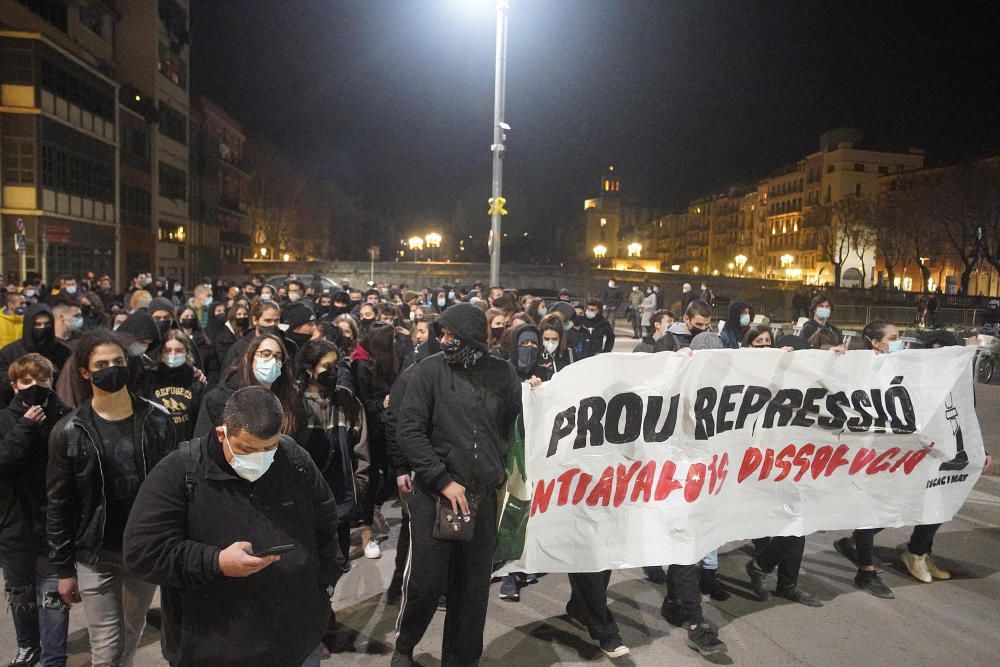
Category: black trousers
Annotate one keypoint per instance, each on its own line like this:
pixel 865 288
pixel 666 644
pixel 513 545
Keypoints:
pixel 922 539
pixel 403 543
pixel 589 603
pixel 682 590
pixel 460 569
pixel 921 542
pixel 785 553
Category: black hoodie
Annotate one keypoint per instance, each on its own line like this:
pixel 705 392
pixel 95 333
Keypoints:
pixel 732 333
pixel 454 422
pixel 47 346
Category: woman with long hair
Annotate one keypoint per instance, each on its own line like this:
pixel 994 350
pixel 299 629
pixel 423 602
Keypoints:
pixel 349 330
pixel 497 320
pixel 333 431
pixel 171 382
pixel 375 369
pixel 201 344
pixel 264 364
pixel 237 325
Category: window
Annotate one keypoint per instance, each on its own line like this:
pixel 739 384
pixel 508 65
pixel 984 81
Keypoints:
pixel 173 123
pixel 53 11
pixel 883 169
pixel 136 206
pixel 172 232
pixel 135 144
pixel 16 62
pixel 857 189
pixel 859 166
pixel 173 182
pixel 18 150
pixel 826 199
pixel 172 66
pixel 829 168
pixel 80 90
pixel 93 19
pixel 77 164
pixel 604 222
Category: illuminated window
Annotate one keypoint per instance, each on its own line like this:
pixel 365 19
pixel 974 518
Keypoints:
pixel 604 222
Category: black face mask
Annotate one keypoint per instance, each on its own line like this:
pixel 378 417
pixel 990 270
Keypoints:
pixel 110 379
pixel 43 337
pixel 162 327
pixel 365 325
pixel 695 330
pixel 496 332
pixel 526 359
pixel 87 310
pixel 299 339
pixel 36 394
pixel 188 323
pixel 273 330
pixel 338 309
pixel 328 378
pixel 243 322
pixel 220 318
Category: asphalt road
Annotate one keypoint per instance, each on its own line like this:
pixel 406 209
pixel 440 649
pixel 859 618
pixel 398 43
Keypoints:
pixel 952 622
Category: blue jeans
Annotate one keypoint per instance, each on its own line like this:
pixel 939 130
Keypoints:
pixel 40 619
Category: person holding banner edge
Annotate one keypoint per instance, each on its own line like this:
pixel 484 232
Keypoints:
pixel 587 608
pixel 883 338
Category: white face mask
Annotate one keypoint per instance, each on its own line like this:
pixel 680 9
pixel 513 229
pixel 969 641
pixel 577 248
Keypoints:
pixel 266 296
pixel 896 346
pixel 550 346
pixel 174 360
pixel 267 370
pixel 250 467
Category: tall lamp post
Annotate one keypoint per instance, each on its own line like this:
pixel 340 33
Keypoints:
pixel 432 240
pixel 599 253
pixel 499 125
pixel 741 261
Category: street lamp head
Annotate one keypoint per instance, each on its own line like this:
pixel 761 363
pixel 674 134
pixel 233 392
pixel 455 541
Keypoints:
pixel 416 243
pixel 600 251
pixel 634 249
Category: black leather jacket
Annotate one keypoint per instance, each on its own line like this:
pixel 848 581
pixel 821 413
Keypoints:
pixel 75 479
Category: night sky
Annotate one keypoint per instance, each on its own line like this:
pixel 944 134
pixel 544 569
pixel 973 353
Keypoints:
pixel 393 99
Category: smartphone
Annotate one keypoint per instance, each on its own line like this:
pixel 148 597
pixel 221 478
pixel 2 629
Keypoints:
pixel 273 551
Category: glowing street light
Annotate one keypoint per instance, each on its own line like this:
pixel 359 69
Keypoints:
pixel 286 257
pixel 786 260
pixel 635 250
pixel 741 261
pixel 263 252
pixel 599 253
pixel 433 240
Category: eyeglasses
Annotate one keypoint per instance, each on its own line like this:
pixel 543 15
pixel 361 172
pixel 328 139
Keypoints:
pixel 269 354
pixel 446 336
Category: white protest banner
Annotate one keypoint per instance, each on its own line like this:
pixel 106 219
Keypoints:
pixel 649 459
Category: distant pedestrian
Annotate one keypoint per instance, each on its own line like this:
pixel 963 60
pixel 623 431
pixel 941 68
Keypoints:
pixel 612 300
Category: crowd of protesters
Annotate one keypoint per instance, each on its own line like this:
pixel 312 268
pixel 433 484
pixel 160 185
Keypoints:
pixel 235 444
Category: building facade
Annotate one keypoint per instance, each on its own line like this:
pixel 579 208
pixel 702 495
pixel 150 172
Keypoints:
pixel 153 44
pixel 221 227
pixel 615 227
pixel 58 138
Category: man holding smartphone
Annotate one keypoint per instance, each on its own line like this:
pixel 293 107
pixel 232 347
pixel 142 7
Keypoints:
pixel 240 531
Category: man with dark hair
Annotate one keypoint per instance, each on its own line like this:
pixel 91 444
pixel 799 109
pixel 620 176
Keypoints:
pixel 99 456
pixel 697 318
pixel 208 526
pixel 264 318
pixel 598 335
pixel 494 295
pixel 38 335
pixel 452 430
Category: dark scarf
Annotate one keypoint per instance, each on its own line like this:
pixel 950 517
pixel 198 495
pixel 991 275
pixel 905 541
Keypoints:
pixel 458 353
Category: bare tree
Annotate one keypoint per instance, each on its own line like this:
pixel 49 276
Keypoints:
pixel 857 218
pixel 980 183
pixel 946 198
pixel 834 245
pixel 893 241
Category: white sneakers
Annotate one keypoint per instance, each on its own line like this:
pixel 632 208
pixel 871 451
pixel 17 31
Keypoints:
pixel 923 568
pixel 372 549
